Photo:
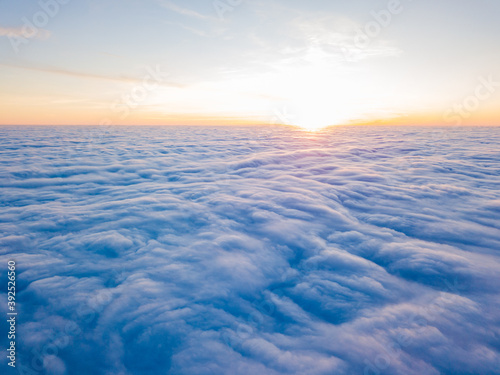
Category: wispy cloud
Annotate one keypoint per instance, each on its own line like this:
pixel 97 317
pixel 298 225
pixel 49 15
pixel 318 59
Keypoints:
pixel 183 11
pixel 20 32
pixel 72 73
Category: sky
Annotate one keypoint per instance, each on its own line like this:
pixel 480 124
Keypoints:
pixel 205 62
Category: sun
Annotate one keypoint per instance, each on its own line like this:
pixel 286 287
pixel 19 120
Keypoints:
pixel 314 113
pixel 313 117
pixel 317 95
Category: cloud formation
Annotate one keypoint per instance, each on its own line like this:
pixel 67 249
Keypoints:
pixel 154 72
pixel 21 32
pixel 183 11
pixel 253 250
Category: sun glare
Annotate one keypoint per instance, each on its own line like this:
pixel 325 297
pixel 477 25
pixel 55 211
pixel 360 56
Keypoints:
pixel 310 92
pixel 317 110
pixel 313 116
pixel 318 94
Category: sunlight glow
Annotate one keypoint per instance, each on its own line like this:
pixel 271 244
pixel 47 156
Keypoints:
pixel 311 90
pixel 317 93
pixel 314 112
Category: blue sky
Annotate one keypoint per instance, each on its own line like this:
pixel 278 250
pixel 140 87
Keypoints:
pixel 248 61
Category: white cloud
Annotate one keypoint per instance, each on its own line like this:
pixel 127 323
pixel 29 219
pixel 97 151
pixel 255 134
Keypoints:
pixel 253 250
pixel 182 10
pixel 20 32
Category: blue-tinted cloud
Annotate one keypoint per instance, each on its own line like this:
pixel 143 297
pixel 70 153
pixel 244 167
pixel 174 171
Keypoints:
pixel 253 250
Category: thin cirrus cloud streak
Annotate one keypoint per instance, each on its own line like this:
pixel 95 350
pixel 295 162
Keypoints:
pixel 20 32
pixel 182 10
pixel 76 74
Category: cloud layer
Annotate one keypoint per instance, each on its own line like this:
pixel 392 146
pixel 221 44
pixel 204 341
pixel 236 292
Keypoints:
pixel 180 250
